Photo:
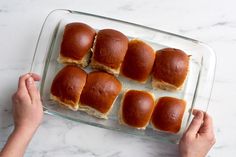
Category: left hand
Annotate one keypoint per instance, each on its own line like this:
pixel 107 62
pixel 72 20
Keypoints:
pixel 27 105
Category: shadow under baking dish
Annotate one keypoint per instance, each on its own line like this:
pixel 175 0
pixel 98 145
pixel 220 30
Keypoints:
pixel 196 91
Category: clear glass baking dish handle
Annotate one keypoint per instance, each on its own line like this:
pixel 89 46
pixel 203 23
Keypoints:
pixel 44 43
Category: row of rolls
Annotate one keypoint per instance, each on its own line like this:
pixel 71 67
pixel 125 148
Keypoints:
pixel 111 53
pixel 96 92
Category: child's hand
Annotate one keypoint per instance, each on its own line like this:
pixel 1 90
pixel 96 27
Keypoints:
pixel 27 106
pixel 27 115
pixel 199 137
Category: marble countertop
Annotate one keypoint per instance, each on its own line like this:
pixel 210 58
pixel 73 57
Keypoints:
pixel 213 22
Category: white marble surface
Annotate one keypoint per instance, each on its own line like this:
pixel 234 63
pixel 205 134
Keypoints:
pixel 211 21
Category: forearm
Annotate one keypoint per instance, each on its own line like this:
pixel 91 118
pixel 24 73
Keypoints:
pixel 17 143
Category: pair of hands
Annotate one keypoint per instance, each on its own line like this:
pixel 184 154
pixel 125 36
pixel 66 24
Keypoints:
pixel 28 113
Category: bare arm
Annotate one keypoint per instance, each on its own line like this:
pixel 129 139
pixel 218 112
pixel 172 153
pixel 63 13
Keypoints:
pixel 27 115
pixel 199 137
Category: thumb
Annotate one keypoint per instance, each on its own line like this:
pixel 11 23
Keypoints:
pixel 32 89
pixel 196 123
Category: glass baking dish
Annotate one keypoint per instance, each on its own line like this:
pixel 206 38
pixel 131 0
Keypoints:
pixel 196 92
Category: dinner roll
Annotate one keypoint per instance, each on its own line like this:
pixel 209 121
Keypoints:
pixel 170 69
pixel 99 93
pixel 67 86
pixel 168 113
pixel 77 41
pixel 109 50
pixel 138 61
pixel 136 108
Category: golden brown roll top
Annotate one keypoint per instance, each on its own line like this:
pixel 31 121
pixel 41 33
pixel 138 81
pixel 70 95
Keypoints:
pixel 168 114
pixel 109 50
pixel 170 69
pixel 99 93
pixel 138 61
pixel 67 86
pixel 77 41
pixel 136 108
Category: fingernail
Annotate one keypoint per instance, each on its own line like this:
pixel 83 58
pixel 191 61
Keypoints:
pixel 198 115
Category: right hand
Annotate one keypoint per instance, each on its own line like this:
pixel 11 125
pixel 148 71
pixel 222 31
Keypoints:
pixel 199 137
pixel 27 105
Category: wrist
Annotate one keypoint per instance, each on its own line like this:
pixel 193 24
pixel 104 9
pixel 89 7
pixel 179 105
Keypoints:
pixel 24 131
pixel 18 141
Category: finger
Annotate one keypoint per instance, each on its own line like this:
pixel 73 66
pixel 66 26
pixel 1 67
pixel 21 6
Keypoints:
pixel 13 98
pixel 207 126
pixel 32 89
pixel 196 123
pixel 21 83
pixel 36 77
